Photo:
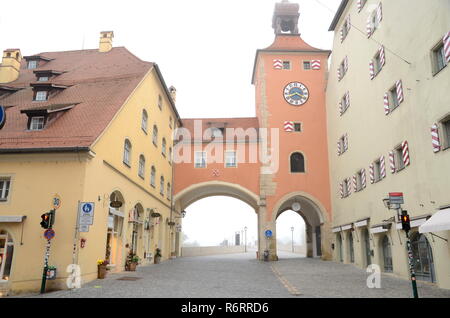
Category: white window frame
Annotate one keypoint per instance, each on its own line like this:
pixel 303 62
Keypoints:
pixel 37 123
pixel 43 78
pixel 41 96
pixel 393 98
pixel 155 135
pixel 438 58
pixel 287 65
pixel 153 176
pixel 141 170
pixel 164 147
pixel 127 146
pixel 304 65
pixel 5 188
pixel 32 64
pixel 162 184
pixel 200 161
pixel 398 158
pixel 144 120
pixel 160 102
pixel 231 159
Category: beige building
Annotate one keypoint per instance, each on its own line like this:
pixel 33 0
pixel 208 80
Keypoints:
pixel 91 126
pixel 389 131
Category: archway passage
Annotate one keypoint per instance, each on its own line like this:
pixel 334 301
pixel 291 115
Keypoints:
pixel 291 235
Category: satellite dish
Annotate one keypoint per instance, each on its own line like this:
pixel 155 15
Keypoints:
pixel 296 206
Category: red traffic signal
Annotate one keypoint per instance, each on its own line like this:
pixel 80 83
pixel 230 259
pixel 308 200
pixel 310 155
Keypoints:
pixel 45 223
pixel 406 222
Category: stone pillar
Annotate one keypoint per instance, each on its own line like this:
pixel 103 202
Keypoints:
pixel 327 240
pixel 263 242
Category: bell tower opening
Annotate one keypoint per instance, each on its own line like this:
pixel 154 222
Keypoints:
pixel 285 18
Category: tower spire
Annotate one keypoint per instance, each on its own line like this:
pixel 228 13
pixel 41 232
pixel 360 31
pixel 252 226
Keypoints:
pixel 285 18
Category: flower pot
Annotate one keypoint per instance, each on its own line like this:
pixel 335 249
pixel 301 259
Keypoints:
pixel 101 274
pixel 131 267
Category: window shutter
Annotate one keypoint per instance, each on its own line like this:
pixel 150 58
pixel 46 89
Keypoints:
pixel 363 179
pixel 359 5
pixel 379 13
pixel 349 186
pixel 371 70
pixel 341 110
pixel 341 189
pixel 355 185
pixel 289 126
pixel 400 96
pixel 345 142
pixel 392 161
pixel 382 56
pixel 339 150
pixel 372 173
pixel 346 64
pixel 369 27
pixel 349 25
pixel 382 168
pixel 347 99
pixel 435 138
pixel 447 46
pixel 387 110
pixel 339 73
pixel 342 34
pixel 405 148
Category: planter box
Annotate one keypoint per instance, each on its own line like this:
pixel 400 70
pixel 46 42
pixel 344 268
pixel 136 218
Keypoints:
pixel 101 274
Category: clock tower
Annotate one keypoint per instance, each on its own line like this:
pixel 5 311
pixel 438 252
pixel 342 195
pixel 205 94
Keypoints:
pixel 290 81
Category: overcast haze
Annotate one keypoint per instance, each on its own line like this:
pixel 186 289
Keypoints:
pixel 205 48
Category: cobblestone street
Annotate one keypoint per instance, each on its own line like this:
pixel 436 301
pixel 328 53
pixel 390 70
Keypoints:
pixel 242 276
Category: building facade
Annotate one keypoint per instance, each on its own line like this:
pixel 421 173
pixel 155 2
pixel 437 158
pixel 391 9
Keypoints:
pixel 84 126
pixel 388 114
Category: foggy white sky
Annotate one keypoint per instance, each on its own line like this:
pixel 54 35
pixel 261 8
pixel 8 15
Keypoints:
pixel 205 48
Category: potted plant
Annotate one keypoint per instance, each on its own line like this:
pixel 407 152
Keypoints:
pixel 132 262
pixel 157 256
pixel 101 268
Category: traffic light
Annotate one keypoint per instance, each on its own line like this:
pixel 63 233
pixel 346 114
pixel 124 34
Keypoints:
pixel 48 219
pixel 45 223
pixel 406 222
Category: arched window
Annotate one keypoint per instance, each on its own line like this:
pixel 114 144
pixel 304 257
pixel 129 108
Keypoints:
pixel 144 120
pixel 6 254
pixel 163 146
pixel 423 258
pixel 153 177
pixel 170 154
pixel 387 255
pixel 297 163
pixel 351 250
pixel 169 193
pixel 161 185
pixel 141 166
pixel 127 152
pixel 155 135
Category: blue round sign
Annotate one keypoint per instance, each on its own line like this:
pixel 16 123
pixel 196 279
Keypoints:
pixel 268 233
pixel 49 234
pixel 2 116
pixel 87 208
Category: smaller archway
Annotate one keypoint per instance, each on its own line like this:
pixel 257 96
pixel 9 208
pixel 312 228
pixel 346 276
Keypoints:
pixel 297 163
pixel 115 228
pixel 423 258
pixel 136 221
pixel 387 254
pixel 6 255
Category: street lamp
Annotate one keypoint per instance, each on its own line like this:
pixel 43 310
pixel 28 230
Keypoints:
pixel 245 230
pixel 292 230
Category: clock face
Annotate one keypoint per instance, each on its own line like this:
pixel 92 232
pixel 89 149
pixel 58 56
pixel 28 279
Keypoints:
pixel 296 93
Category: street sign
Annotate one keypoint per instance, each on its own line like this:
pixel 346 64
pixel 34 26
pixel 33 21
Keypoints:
pixel 49 234
pixel 2 117
pixel 86 213
pixel 84 228
pixel 268 233
pixel 396 198
pixel 56 201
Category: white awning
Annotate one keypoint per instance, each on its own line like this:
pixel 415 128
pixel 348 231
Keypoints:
pixel 336 229
pixel 378 229
pixel 362 223
pixel 440 221
pixel 346 227
pixel 12 218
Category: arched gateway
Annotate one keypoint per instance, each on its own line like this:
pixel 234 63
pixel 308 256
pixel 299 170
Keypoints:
pixel 274 160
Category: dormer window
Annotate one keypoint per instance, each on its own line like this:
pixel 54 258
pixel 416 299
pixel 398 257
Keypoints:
pixel 43 79
pixel 37 123
pixel 32 64
pixel 41 96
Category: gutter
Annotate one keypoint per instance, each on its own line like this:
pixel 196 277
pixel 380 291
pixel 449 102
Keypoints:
pixel 44 150
pixel 338 15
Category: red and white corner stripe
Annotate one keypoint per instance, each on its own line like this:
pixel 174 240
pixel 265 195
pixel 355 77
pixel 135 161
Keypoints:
pixel 289 126
pixel 315 64
pixel 405 150
pixel 447 46
pixel 278 64
pixel 435 138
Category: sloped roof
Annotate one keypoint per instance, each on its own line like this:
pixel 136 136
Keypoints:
pixel 97 83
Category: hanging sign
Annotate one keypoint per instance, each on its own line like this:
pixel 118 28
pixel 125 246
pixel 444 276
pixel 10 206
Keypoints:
pixel 2 116
pixel 396 198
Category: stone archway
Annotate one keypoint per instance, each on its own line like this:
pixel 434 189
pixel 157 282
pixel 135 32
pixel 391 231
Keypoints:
pixel 114 236
pixel 316 221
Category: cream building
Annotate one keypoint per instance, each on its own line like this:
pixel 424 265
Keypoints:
pixel 387 95
pixel 88 126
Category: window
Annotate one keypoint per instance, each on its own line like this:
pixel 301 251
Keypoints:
pixel 6 255
pixel 398 158
pixel 393 98
pixel 169 193
pixel 361 4
pixel 200 159
pixel 163 147
pixel 160 102
pixel 359 180
pixel 144 121
pixel 446 126
pixel 141 166
pixel 161 185
pixel 377 63
pixel 170 155
pixel 32 64
pixel 297 163
pixel 345 103
pixel 153 177
pixel 155 135
pixel 345 29
pixel 306 65
pixel 170 121
pixel 37 123
pixel 346 187
pixel 127 152
pixel 230 159
pixel 297 127
pixel 438 57
pixel 40 96
pixel 4 188
pixel 377 170
pixel 286 65
pixel 217 132
pixel 42 78
pixel 343 144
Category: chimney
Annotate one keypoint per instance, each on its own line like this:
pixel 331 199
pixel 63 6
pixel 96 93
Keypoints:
pixel 106 41
pixel 10 67
pixel 173 93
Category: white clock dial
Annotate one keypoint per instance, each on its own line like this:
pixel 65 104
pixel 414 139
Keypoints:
pixel 296 93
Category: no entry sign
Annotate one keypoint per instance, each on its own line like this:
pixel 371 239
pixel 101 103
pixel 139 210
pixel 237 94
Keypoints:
pixel 49 234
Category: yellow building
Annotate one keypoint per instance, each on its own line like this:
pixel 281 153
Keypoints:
pixel 84 126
